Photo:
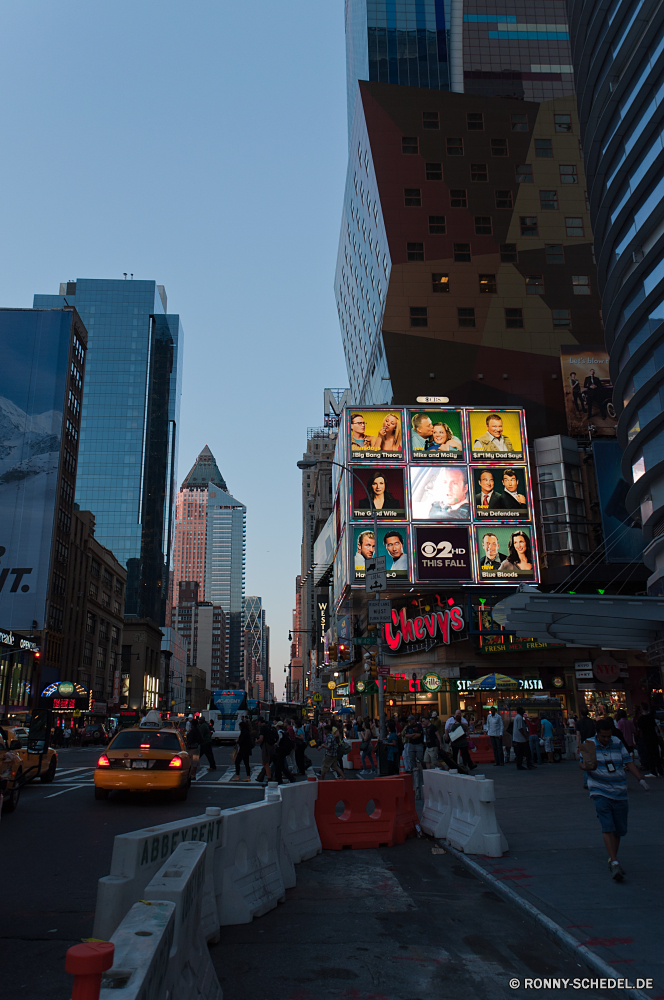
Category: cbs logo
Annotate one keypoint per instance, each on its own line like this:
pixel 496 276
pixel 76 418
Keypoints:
pixel 442 550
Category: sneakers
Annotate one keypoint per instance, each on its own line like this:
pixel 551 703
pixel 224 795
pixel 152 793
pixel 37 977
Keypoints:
pixel 617 874
pixel 248 778
pixel 650 775
pixel 236 777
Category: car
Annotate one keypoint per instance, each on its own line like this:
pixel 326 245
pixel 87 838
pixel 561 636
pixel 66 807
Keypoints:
pixel 21 734
pixel 33 765
pixel 95 734
pixel 151 757
pixel 602 399
pixel 11 773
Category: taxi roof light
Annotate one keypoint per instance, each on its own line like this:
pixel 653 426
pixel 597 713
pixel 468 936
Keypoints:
pixel 103 761
pixel 176 762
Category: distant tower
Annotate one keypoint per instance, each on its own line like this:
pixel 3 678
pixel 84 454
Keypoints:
pixel 190 522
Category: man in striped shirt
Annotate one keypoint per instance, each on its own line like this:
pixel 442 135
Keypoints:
pixel 607 785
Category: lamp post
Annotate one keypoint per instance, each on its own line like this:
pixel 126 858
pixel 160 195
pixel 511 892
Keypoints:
pixel 311 464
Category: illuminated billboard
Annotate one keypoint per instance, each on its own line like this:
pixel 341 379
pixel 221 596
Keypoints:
pixel 500 493
pixel 588 389
pixel 496 435
pixel 376 434
pixel 436 435
pixel 443 552
pixel 386 494
pixel 392 543
pixel 505 553
pixel 439 493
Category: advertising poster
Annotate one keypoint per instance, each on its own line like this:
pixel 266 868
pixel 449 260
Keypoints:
pixel 500 493
pixel 33 379
pixel 588 391
pixel 496 435
pixel 376 434
pixel 623 543
pixel 435 435
pixel 386 490
pixel 505 553
pixel 443 552
pixel 392 543
pixel 439 493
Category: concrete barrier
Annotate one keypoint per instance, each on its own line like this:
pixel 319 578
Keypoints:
pixel 138 856
pixel 473 827
pixel 160 949
pixel 247 870
pixel 299 834
pixel 437 810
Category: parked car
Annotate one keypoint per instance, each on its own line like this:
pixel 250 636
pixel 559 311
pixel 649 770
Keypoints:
pixel 11 773
pixel 95 734
pixel 32 765
pixel 602 399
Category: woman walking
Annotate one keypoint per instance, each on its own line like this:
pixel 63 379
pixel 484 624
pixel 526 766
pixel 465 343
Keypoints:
pixel 365 749
pixel 245 744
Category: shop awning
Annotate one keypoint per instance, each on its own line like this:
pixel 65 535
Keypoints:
pixel 494 682
pixel 607 621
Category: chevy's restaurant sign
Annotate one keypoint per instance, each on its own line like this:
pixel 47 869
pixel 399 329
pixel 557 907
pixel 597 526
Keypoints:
pixel 412 635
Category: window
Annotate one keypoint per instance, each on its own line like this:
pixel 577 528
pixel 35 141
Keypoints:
pixel 116 608
pixel 524 174
pixel 410 144
pixel 519 123
pixel 434 171
pixel 412 197
pixel 103 629
pixel 437 225
pixel 430 119
pixel 415 251
pixel 548 200
pixel 74 404
pixel 90 623
pixel 458 198
pixel 105 599
pixel 543 148
pixel 561 318
pixel 514 319
pixel 475 122
pixel 115 635
pixel 93 590
pixel 534 284
pixel 499 147
pixel 87 654
pixel 418 316
pixel 483 225
pixel 462 253
pixel 101 658
pixel 504 199
pixel 61 552
pixel 488 284
pixel 108 579
pixel 508 254
pixel 574 227
pixel 568 174
pixel 562 123
pixel 454 147
pixel 95 567
pixel 440 283
pixel 466 317
pixel 581 284
pixel 478 172
pixel 72 432
pixel 79 350
pixel 70 462
pixel 528 225
pixel 64 521
pixel 554 253
pixel 76 377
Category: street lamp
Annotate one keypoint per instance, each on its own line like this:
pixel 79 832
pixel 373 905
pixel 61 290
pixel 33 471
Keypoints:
pixel 311 463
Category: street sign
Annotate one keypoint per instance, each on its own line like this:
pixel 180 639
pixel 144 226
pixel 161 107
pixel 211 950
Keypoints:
pixel 365 640
pixel 376 565
pixel 331 685
pixel 383 671
pixel 318 696
pixel 375 582
pixel 379 612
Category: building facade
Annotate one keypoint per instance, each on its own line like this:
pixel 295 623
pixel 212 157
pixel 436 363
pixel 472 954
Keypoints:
pixel 190 522
pixel 141 679
pixel 202 626
pixel 174 671
pixel 129 427
pixel 225 549
pixel 618 63
pixel 256 650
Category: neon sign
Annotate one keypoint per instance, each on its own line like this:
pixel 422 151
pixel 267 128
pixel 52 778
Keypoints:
pixel 403 631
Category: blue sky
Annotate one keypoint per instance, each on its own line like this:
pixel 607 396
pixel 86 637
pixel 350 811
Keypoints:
pixel 202 145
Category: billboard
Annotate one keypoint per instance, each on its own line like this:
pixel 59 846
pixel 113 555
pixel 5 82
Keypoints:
pixel 443 552
pixel 33 387
pixel 386 494
pixel 623 543
pixel 588 389
pixel 501 493
pixel 436 435
pixel 376 434
pixel 505 553
pixel 496 435
pixel 439 493
pixel 392 543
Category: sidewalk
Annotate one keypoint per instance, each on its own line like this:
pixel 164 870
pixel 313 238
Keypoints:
pixel 557 862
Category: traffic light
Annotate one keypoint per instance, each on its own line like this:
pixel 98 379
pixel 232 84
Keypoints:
pixel 332 653
pixel 344 652
pixel 371 664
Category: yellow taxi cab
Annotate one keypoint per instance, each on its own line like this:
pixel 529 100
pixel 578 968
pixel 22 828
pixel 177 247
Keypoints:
pixel 11 773
pixel 151 757
pixel 33 766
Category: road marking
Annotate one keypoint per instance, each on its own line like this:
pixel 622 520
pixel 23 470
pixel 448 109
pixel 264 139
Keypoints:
pixel 71 788
pixel 201 772
pixel 70 770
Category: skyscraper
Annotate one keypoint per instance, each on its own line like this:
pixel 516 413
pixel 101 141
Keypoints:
pixel 190 523
pixel 618 64
pixel 225 543
pixel 129 427
pixel 256 648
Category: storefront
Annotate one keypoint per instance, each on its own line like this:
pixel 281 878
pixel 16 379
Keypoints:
pixel 506 693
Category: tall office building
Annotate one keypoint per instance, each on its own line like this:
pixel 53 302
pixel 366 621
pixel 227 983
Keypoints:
pixel 256 648
pixel 129 427
pixel 190 523
pixel 225 545
pixel 618 59
pixel 465 260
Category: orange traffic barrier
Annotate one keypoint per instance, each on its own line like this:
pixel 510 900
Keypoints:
pixel 406 818
pixel 343 819
pixel 483 752
pixel 355 755
pixel 86 962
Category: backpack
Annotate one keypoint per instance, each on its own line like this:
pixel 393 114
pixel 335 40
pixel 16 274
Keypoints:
pixel 286 744
pixel 271 736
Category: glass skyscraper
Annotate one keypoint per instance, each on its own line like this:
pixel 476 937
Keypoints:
pixel 225 546
pixel 619 66
pixel 129 427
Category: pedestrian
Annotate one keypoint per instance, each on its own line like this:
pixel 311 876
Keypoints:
pixel 546 734
pixel 244 744
pixel 585 730
pixel 188 723
pixel 267 738
pixel 494 727
pixel 458 734
pixel 651 738
pixel 206 743
pixel 358 726
pixel 66 732
pixel 627 730
pixel 193 738
pixel 413 737
pixel 330 762
pixel 520 742
pixel 392 748
pixel 282 750
pixel 607 784
pixel 365 749
pixel 290 729
pixel 431 744
pixel 300 747
pixel 534 729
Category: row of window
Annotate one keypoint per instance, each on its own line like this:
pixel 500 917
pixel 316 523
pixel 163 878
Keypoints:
pixel 488 286
pixel 475 122
pixel 504 198
pixel 479 172
pixel 513 317
pixel 104 628
pixel 555 253
pixel 454 146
